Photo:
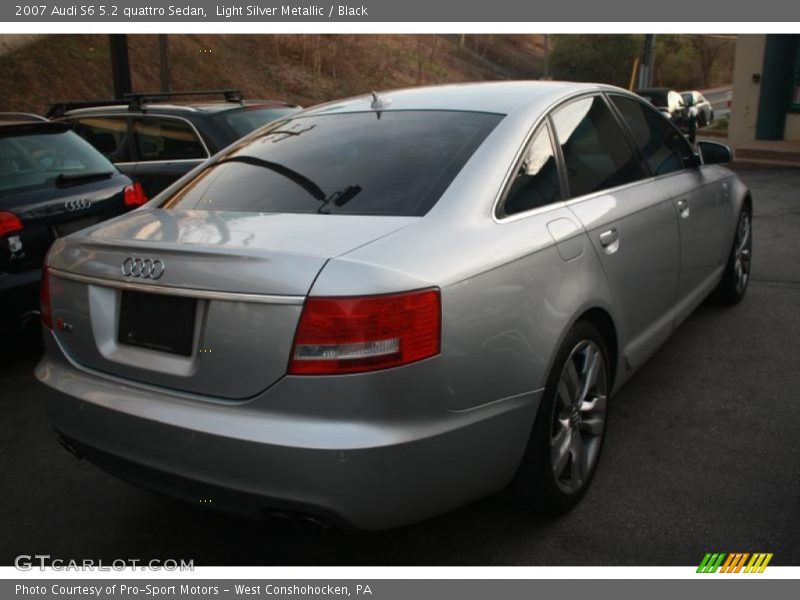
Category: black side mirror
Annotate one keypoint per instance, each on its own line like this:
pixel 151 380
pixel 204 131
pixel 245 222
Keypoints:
pixel 714 153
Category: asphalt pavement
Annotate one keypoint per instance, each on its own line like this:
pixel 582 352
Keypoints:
pixel 702 454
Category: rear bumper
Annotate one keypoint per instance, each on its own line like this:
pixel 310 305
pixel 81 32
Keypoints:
pixel 371 469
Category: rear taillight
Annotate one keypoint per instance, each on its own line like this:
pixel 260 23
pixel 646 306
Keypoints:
pixel 358 334
pixel 134 195
pixel 44 300
pixel 9 223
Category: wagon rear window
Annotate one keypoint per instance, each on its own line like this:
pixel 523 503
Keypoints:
pixel 372 163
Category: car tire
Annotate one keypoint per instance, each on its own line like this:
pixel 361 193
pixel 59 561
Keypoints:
pixel 567 436
pixel 733 285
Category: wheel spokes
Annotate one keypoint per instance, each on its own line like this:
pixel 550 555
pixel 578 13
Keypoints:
pixel 563 394
pixel 593 426
pixel 579 466
pixel 571 379
pixel 744 233
pixel 561 449
pixel 591 367
pixel 578 418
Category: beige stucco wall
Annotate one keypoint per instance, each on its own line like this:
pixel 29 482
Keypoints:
pixel 791 131
pixel 744 108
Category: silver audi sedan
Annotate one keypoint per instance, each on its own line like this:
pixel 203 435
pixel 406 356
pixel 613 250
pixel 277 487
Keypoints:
pixel 381 308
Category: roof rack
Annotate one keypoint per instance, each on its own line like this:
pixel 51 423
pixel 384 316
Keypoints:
pixel 137 100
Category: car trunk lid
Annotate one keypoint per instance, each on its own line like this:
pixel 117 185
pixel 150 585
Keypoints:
pixel 214 310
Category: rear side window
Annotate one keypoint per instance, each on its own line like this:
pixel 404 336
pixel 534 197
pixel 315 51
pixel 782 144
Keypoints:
pixel 394 163
pixel 596 154
pixel 662 145
pixel 160 138
pixel 536 182
pixel 109 136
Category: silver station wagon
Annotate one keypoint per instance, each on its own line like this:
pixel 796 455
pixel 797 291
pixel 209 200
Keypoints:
pixel 382 308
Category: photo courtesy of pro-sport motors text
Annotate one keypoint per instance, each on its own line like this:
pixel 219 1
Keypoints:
pixel 386 300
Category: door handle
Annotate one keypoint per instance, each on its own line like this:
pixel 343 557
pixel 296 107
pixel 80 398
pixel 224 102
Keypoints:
pixel 683 207
pixel 609 240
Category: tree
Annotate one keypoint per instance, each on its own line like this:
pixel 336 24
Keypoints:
pixel 709 49
pixel 596 58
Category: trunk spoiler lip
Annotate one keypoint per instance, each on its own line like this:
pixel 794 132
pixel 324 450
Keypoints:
pixel 178 291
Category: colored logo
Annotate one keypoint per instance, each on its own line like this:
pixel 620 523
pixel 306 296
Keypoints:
pixel 736 562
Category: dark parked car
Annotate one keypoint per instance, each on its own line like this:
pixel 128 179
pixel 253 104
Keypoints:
pixel 671 103
pixel 156 140
pixel 52 183
pixel 701 107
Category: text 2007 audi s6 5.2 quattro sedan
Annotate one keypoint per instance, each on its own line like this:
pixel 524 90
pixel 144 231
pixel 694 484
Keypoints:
pixel 381 308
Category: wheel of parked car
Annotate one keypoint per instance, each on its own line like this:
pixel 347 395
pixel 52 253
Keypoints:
pixel 734 282
pixel 567 435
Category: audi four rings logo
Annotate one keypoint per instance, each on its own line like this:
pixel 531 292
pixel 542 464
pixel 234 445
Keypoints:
pixel 77 204
pixel 145 268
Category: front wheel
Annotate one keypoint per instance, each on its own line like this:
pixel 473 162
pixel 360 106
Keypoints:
pixel 732 287
pixel 567 436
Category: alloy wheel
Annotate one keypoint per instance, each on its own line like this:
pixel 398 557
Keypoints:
pixel 579 417
pixel 742 252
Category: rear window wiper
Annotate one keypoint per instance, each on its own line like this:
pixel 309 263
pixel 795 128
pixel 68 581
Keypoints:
pixel 64 179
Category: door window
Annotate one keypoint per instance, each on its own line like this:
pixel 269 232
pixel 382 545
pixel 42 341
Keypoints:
pixel 662 145
pixel 159 138
pixel 536 181
pixel 596 154
pixel 109 135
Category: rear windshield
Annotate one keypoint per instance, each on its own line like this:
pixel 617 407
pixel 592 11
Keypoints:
pixel 372 163
pixel 241 121
pixel 34 161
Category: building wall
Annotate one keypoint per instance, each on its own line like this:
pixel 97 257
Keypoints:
pixel 749 60
pixel 792 131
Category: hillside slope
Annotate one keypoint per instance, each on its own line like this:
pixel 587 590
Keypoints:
pixel 300 68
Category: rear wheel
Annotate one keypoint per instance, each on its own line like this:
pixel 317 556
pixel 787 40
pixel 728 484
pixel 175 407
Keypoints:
pixel 567 436
pixel 732 287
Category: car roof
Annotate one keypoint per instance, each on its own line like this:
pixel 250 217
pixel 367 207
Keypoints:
pixel 503 97
pixel 14 128
pixel 200 107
